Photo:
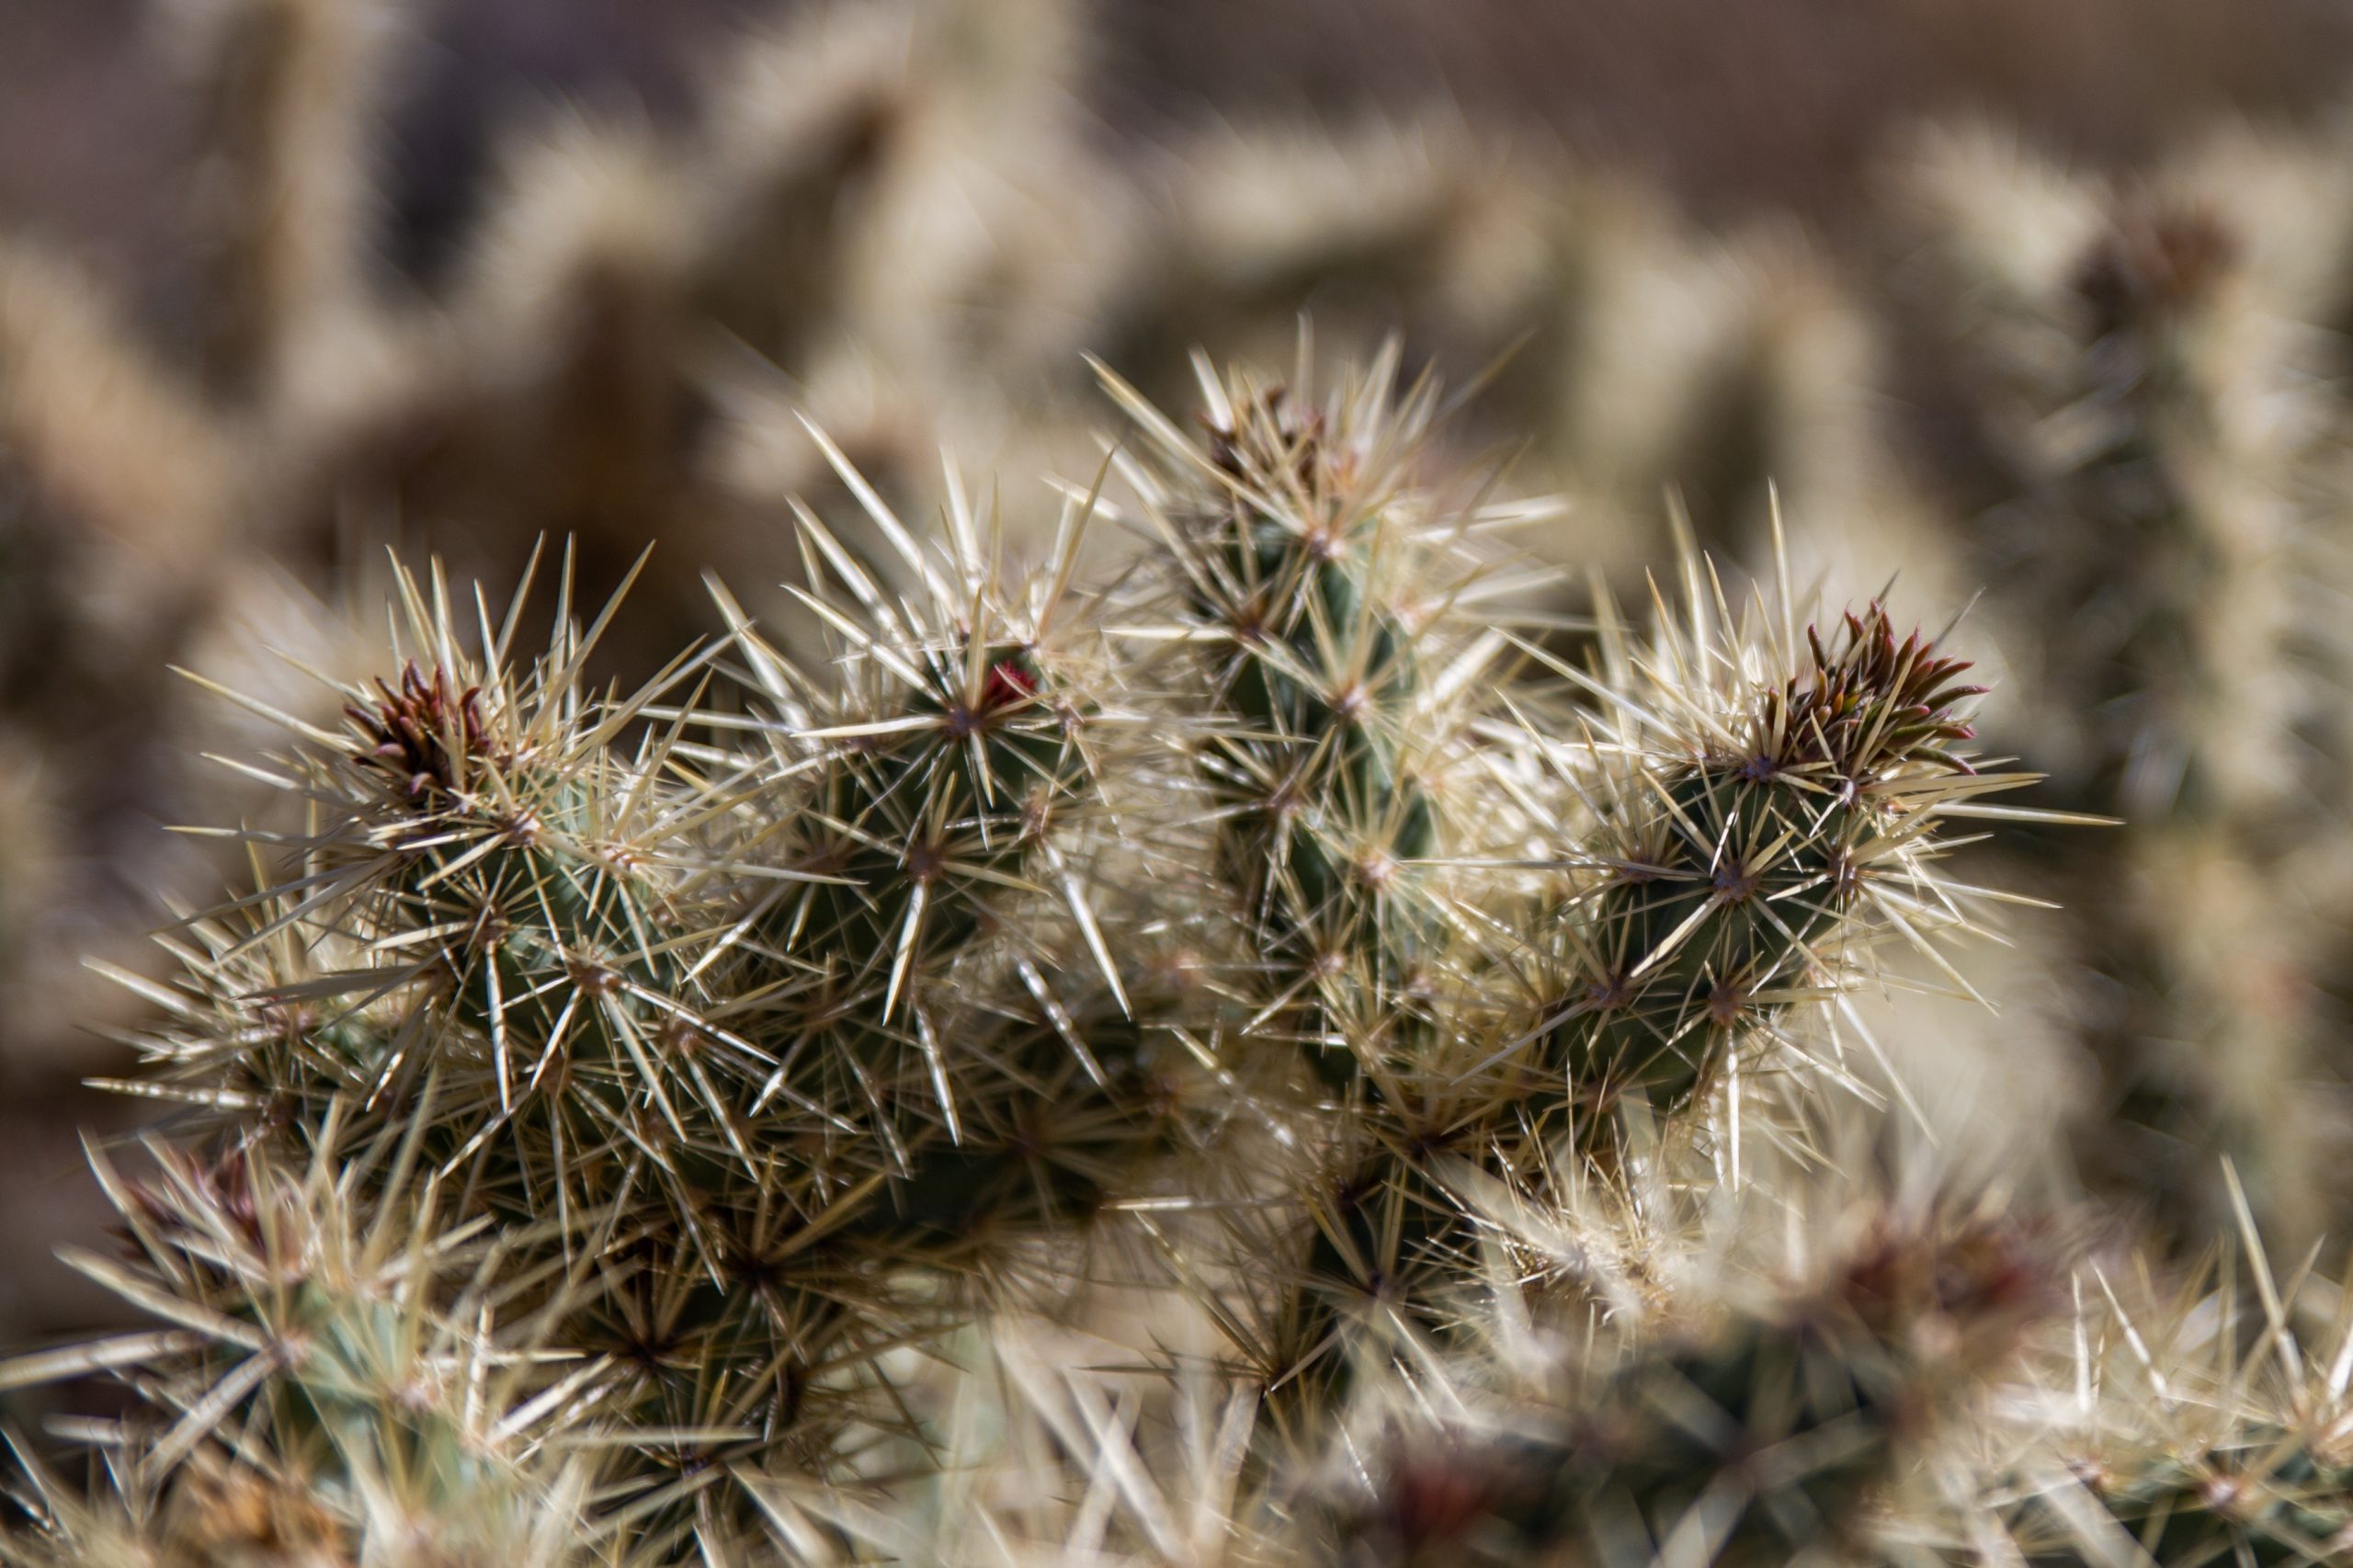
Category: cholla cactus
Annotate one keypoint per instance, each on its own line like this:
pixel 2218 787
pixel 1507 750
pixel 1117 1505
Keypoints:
pixel 925 801
pixel 899 217
pixel 1764 1437
pixel 487 949
pixel 675 1075
pixel 2137 398
pixel 1492 910
pixel 1325 602
pixel 783 1014
pixel 283 190
pixel 685 1011
pixel 492 865
pixel 341 1376
pixel 1748 844
pixel 2192 1422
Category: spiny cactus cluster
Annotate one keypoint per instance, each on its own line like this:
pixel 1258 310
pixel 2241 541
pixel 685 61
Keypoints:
pixel 900 217
pixel 669 1103
pixel 741 1013
pixel 1289 1007
pixel 895 216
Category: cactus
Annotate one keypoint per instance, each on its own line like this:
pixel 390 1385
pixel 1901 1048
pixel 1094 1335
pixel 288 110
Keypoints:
pixel 2271 1503
pixel 779 1017
pixel 1318 594
pixel 2185 1439
pixel 488 951
pixel 926 802
pixel 1742 820
pixel 283 195
pixel 749 1031
pixel 495 868
pixel 917 792
pixel 2141 410
pixel 1736 868
pixel 1315 595
pixel 1763 1439
pixel 720 1114
pixel 336 1373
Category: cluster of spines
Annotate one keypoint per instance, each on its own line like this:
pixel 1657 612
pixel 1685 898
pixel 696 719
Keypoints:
pixel 745 1029
pixel 2268 1499
pixel 1732 819
pixel 860 198
pixel 936 799
pixel 773 1007
pixel 1766 1436
pixel 498 872
pixel 1310 592
pixel 1087 1031
pixel 491 948
pixel 1735 874
pixel 340 1374
pixel 2201 1420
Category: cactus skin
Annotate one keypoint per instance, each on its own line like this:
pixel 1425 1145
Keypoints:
pixel 1739 868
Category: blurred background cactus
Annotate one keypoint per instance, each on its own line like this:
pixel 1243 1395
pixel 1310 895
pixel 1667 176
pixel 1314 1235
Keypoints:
pixel 1355 800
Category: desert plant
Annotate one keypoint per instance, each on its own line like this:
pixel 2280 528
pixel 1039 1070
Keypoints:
pixel 342 1374
pixel 718 1023
pixel 1488 895
pixel 769 1022
pixel 2202 1419
pixel 2143 439
pixel 1764 1435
